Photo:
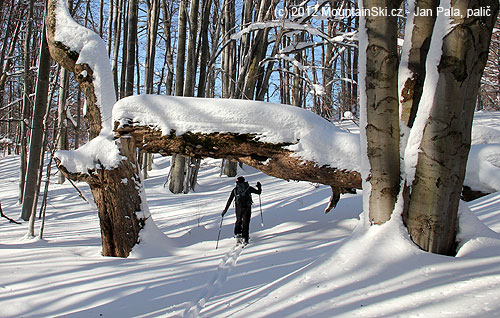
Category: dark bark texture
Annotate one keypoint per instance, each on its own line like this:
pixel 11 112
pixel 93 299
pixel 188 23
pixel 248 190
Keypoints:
pixel 271 159
pixel 115 191
pixel 117 199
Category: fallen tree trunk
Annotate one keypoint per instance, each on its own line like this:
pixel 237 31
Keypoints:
pixel 272 159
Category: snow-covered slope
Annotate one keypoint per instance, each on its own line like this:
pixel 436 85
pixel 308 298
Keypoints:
pixel 299 264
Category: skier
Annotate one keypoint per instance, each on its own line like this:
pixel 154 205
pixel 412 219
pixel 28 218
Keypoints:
pixel 243 199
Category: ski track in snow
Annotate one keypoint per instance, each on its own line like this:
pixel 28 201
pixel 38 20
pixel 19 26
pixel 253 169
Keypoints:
pixel 214 285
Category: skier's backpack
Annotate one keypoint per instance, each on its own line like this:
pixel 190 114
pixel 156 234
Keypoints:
pixel 242 194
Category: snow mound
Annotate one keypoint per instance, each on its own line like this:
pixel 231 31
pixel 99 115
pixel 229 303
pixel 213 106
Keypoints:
pixel 152 242
pixel 482 134
pixel 312 137
pixel 476 239
pixel 483 168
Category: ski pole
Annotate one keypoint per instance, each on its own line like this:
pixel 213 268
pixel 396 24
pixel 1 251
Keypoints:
pixel 220 228
pixel 261 217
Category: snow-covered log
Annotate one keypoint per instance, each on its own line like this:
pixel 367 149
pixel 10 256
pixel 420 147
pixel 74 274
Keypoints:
pixel 283 141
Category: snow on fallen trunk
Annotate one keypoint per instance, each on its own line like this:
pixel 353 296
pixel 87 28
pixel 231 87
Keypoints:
pixel 311 137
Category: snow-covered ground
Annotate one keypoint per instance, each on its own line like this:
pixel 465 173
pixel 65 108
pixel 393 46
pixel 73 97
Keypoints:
pixel 301 263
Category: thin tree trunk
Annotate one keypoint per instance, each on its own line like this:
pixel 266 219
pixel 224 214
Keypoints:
pixel 116 44
pixel 26 102
pixel 101 17
pixel 177 174
pixel 62 142
pixel 124 49
pixel 191 49
pixel 181 50
pixel 10 53
pixel 131 46
pixel 78 119
pixel 110 26
pixel 382 120
pixel 169 58
pixel 37 128
pixel 153 21
pixel 204 48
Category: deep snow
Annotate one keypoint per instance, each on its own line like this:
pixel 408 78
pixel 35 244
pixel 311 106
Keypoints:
pixel 299 264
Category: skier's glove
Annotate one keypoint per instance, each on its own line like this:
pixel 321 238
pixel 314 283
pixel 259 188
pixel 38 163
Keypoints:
pixel 259 186
pixel 223 213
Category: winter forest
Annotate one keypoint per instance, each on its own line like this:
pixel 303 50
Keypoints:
pixel 373 127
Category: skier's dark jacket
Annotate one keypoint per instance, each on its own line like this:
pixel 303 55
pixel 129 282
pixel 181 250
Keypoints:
pixel 239 207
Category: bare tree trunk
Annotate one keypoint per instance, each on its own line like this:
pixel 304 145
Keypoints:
pixel 8 64
pixel 204 48
pixel 101 17
pixel 177 174
pixel 62 142
pixel 26 102
pixel 181 50
pixel 169 58
pixel 191 49
pixel 435 194
pixel 78 119
pixel 412 88
pixel 116 44
pixel 37 130
pixel 110 26
pixel 153 21
pixel 124 49
pixel 382 120
pixel 229 167
pixel 131 46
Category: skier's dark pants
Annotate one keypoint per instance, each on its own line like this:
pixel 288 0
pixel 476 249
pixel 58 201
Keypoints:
pixel 242 225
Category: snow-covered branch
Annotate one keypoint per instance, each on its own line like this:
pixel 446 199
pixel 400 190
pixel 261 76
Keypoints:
pixel 83 52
